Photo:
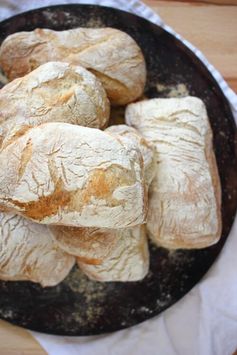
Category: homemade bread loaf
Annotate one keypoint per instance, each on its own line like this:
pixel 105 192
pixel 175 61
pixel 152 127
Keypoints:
pixel 28 252
pixel 90 245
pixel 147 149
pixel 55 91
pixel 65 174
pixel 185 195
pixel 112 55
pixel 128 260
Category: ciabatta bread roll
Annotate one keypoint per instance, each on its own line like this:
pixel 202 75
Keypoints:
pixel 147 149
pixel 55 91
pixel 90 245
pixel 112 55
pixel 185 195
pixel 28 252
pixel 128 259
pixel 59 173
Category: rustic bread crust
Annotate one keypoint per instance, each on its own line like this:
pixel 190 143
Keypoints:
pixel 54 92
pixel 112 55
pixel 128 260
pixel 73 175
pixel 185 195
pixel 89 245
pixel 28 252
pixel 147 149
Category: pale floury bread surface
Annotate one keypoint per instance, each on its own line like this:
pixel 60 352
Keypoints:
pixel 28 252
pixel 112 55
pixel 65 174
pixel 55 91
pixel 90 245
pixel 185 195
pixel 147 149
pixel 128 260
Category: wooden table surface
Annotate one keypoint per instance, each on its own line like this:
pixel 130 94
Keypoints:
pixel 211 26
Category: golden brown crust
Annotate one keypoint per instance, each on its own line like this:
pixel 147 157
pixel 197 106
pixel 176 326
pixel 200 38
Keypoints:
pixel 28 252
pixel 147 150
pixel 211 158
pixel 184 197
pixel 110 54
pixel 73 175
pixel 127 260
pixel 54 92
pixel 89 245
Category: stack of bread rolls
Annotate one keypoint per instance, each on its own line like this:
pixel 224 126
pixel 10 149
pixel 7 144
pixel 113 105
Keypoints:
pixel 74 189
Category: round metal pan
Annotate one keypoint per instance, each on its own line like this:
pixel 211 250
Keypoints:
pixel 78 306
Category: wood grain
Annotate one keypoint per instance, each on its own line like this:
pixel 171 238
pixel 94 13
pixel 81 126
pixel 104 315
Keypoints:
pixel 213 29
pixel 206 2
pixel 17 341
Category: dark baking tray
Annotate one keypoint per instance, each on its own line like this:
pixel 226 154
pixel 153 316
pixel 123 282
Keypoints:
pixel 81 307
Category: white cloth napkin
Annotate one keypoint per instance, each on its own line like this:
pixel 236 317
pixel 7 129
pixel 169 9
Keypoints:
pixel 204 322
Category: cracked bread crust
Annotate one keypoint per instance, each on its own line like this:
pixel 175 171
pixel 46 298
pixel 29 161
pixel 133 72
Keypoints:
pixel 112 55
pixel 28 252
pixel 128 260
pixel 89 245
pixel 94 245
pixel 185 195
pixel 54 92
pixel 73 175
pixel 147 149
